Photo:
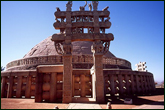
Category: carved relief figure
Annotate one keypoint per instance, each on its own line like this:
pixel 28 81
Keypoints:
pixel 90 6
pixel 69 5
pixel 67 47
pixel 58 9
pixel 97 47
pixel 95 4
pixel 58 47
pixel 82 8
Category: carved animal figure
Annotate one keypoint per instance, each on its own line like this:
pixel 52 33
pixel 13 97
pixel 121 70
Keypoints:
pixel 82 8
pixel 90 6
pixel 106 8
pixel 58 9
pixel 69 2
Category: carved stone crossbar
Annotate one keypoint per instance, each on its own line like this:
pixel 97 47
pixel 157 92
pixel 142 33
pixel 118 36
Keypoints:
pixel 84 37
pixel 62 14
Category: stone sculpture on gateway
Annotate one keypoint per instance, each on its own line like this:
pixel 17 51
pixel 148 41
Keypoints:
pixel 101 42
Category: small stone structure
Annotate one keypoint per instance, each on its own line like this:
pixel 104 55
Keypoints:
pixel 74 65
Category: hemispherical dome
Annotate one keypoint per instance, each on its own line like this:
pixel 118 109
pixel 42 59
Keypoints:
pixel 46 47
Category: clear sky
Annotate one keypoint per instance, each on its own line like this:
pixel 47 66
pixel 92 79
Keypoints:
pixel 138 28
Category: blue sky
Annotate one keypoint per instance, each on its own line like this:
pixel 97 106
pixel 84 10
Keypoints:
pixel 138 28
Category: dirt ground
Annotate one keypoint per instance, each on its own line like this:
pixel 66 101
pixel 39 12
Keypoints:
pixel 118 103
pixel 14 103
pixel 136 102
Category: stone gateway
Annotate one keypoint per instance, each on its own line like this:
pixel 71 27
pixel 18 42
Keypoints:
pixel 74 65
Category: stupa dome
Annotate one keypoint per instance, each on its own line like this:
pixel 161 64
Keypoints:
pixel 46 47
pixel 44 53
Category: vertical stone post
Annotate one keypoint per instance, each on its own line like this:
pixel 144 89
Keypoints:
pixel 149 81
pixel 99 78
pixel 127 83
pixel 53 82
pixel 142 85
pixel 3 86
pixel 67 58
pixel 137 83
pixel 97 50
pixel 73 85
pixel 120 84
pixel 145 83
pixel 132 84
pixel 10 88
pixel 28 85
pixel 38 88
pixel 19 86
pixel 153 82
pixel 82 78
pixel 112 85
pixel 67 79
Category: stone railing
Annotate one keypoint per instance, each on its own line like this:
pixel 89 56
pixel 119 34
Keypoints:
pixel 116 61
pixel 56 59
pixel 18 84
pixel 128 82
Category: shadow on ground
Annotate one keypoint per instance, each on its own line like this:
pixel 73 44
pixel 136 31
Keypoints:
pixel 137 100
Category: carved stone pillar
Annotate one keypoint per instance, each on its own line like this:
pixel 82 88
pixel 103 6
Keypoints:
pixel 97 50
pixel 67 79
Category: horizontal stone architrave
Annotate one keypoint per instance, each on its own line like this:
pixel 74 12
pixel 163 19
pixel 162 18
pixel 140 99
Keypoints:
pixel 62 14
pixel 48 68
pixel 59 25
pixel 19 73
pixel 23 64
pixel 84 37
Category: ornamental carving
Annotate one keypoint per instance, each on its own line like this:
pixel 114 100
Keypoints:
pixel 67 47
pixel 100 47
pixel 95 4
pixel 69 6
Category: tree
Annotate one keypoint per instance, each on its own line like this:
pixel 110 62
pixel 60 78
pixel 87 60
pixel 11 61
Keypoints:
pixel 2 68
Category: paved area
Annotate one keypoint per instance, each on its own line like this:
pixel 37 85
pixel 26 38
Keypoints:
pixel 83 106
pixel 155 105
